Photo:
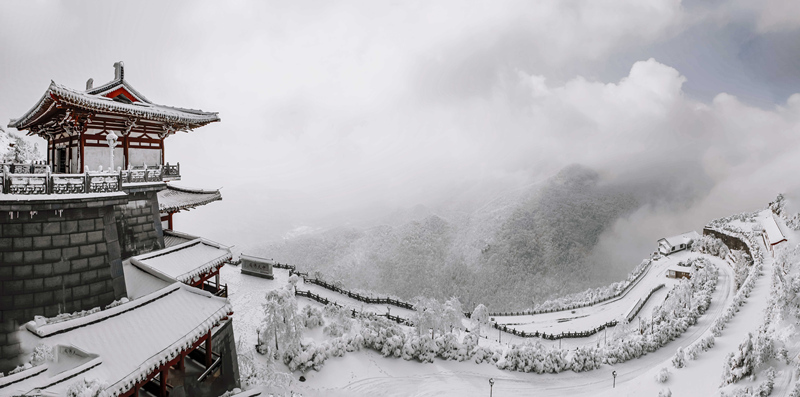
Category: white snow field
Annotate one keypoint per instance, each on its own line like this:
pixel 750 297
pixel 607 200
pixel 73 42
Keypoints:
pixel 367 372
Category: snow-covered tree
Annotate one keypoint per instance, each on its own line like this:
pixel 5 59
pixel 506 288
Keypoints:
pixel 662 375
pixel 281 327
pixel 480 316
pixel 427 315
pixel 15 149
pixel 679 359
pixel 453 315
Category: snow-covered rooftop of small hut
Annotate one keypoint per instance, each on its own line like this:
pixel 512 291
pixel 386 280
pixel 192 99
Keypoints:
pixel 774 233
pixel 176 198
pixel 681 238
pixel 134 343
pixel 185 261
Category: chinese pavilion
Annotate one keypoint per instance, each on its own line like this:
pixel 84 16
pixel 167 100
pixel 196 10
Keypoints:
pixel 78 124
pixel 91 272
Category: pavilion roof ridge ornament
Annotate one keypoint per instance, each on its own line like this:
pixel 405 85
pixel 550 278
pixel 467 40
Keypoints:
pixel 119 81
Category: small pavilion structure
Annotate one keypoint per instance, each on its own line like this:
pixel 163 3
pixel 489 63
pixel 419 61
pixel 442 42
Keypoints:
pixel 79 126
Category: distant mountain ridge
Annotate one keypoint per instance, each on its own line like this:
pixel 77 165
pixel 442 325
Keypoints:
pixel 517 249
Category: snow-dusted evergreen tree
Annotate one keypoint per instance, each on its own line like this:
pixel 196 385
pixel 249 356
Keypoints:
pixel 679 359
pixel 281 327
pixel 480 316
pixel 740 363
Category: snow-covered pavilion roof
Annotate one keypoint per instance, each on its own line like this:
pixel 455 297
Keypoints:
pixel 684 238
pixel 184 262
pixel 174 198
pixel 59 95
pixel 774 234
pixel 131 340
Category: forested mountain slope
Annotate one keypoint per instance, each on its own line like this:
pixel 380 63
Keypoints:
pixel 518 249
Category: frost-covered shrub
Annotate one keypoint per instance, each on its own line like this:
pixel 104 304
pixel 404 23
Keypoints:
pixel 312 317
pixel 662 375
pixel 665 393
pixel 306 356
pixel 86 388
pixel 753 352
pixel 42 353
pixel 339 321
pixel 534 357
pixel 765 388
pixel 586 359
pixel 487 354
pixel 679 359
pixel 712 246
pixel 795 390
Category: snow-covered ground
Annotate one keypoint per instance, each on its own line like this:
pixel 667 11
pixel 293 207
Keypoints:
pixel 368 373
pixel 586 318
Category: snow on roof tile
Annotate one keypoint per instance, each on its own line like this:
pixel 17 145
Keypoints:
pixel 175 198
pixel 136 342
pixel 184 262
pixel 184 118
pixel 774 234
pixel 173 238
pixel 684 238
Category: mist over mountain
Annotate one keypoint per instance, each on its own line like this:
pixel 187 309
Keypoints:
pixel 513 251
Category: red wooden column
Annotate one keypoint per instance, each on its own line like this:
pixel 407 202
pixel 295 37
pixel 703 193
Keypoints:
pixel 162 150
pixel 209 357
pixel 53 154
pixel 182 363
pixel 164 375
pixel 125 149
pixel 81 143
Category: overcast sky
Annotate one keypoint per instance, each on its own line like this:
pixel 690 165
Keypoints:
pixel 331 109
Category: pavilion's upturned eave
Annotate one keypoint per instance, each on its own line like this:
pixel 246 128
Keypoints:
pixel 174 198
pixel 182 118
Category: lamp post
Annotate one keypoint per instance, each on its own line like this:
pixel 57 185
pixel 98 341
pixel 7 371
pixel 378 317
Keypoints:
pixel 111 139
pixel 491 386
pixel 614 374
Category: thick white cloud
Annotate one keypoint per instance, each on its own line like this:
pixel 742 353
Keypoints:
pixel 336 106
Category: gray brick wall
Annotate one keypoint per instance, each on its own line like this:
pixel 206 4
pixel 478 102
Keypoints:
pixel 55 261
pixel 139 224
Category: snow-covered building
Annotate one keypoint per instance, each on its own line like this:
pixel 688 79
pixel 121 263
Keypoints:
pixel 78 124
pixel 772 233
pixel 94 284
pixel 670 245
pixel 679 272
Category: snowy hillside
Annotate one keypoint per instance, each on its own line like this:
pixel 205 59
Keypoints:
pixel 512 252
pixel 730 328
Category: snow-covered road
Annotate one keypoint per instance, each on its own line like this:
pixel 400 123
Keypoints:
pixel 584 319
